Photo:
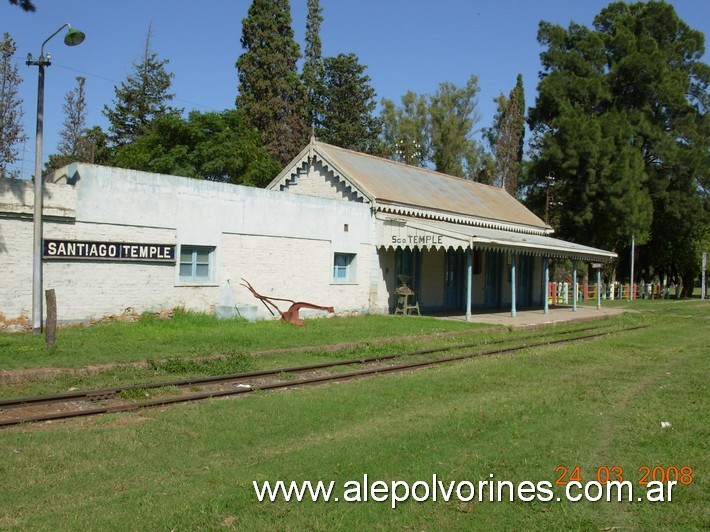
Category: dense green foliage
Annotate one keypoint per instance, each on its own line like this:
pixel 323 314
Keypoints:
pixel 405 129
pixel 271 92
pixel 11 130
pixel 435 129
pixel 143 97
pixel 213 146
pixel 345 103
pixel 620 121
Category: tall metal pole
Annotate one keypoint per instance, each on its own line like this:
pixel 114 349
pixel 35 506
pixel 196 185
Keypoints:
pixel 574 286
pixel 546 282
pixel 72 38
pixel 599 288
pixel 703 290
pixel 37 235
pixel 469 279
pixel 633 252
pixel 513 310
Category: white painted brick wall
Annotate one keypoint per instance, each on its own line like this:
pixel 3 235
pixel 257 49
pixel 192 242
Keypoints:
pixel 282 243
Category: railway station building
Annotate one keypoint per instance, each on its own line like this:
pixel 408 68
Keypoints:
pixel 335 228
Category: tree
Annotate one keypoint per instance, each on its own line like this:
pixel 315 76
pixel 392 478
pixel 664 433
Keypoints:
pixel 142 98
pixel 11 130
pixel 505 138
pixel 74 145
pixel 346 102
pixel 621 120
pixel 437 130
pixel 405 132
pixel 25 5
pixel 271 92
pixel 213 146
pixel 99 144
pixel 313 64
pixel 452 117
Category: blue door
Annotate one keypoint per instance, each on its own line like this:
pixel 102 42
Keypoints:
pixel 524 278
pixel 452 281
pixel 494 262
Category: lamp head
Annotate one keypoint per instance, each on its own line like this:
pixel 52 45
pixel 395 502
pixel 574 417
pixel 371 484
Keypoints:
pixel 74 37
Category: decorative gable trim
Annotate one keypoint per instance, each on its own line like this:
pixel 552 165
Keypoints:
pixel 303 163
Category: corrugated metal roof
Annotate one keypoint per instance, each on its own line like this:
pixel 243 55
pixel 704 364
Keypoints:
pixel 396 183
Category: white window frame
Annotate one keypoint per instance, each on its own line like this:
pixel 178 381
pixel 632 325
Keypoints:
pixel 193 278
pixel 345 263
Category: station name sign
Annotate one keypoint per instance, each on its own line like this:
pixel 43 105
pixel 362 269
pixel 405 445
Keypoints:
pixel 426 239
pixel 118 251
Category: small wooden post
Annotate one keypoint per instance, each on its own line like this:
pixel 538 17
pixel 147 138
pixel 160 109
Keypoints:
pixel 50 330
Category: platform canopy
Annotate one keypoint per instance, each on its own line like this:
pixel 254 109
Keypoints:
pixel 415 233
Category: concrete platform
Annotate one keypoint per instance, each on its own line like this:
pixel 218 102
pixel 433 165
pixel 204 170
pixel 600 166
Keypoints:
pixel 526 319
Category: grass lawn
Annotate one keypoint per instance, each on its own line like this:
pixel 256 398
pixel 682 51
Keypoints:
pixel 190 335
pixel 594 404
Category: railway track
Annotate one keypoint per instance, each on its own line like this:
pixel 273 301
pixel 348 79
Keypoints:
pixel 122 399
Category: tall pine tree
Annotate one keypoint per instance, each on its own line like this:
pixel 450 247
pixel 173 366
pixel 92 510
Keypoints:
pixel 74 144
pixel 344 116
pixel 11 130
pixel 143 97
pixel 313 64
pixel 271 92
pixel 506 139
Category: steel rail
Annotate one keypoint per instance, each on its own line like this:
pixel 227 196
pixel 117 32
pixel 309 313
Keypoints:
pixel 303 382
pixel 102 393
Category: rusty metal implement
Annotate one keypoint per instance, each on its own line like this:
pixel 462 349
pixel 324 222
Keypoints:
pixel 291 315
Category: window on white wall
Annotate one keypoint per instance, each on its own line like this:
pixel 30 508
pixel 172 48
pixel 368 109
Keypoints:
pixel 196 263
pixel 344 267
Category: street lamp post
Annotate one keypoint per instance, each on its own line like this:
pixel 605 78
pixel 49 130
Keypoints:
pixel 550 180
pixel 409 152
pixel 72 38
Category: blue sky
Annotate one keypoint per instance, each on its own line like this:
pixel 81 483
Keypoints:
pixel 405 45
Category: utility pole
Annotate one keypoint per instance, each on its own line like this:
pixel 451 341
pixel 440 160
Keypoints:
pixel 633 250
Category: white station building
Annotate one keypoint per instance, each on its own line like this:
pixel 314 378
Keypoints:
pixel 335 228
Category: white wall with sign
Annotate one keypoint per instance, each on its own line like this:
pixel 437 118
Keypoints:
pixel 282 244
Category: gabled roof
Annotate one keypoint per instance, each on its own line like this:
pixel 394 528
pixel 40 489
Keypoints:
pixel 397 188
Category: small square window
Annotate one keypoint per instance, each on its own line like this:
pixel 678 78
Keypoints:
pixel 344 267
pixel 196 263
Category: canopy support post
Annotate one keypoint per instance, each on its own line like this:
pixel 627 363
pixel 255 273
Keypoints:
pixel 546 284
pixel 469 277
pixel 574 286
pixel 512 284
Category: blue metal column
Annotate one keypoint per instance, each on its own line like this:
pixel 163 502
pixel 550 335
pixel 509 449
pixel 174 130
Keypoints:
pixel 574 286
pixel 512 284
pixel 546 282
pixel 469 277
pixel 599 288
